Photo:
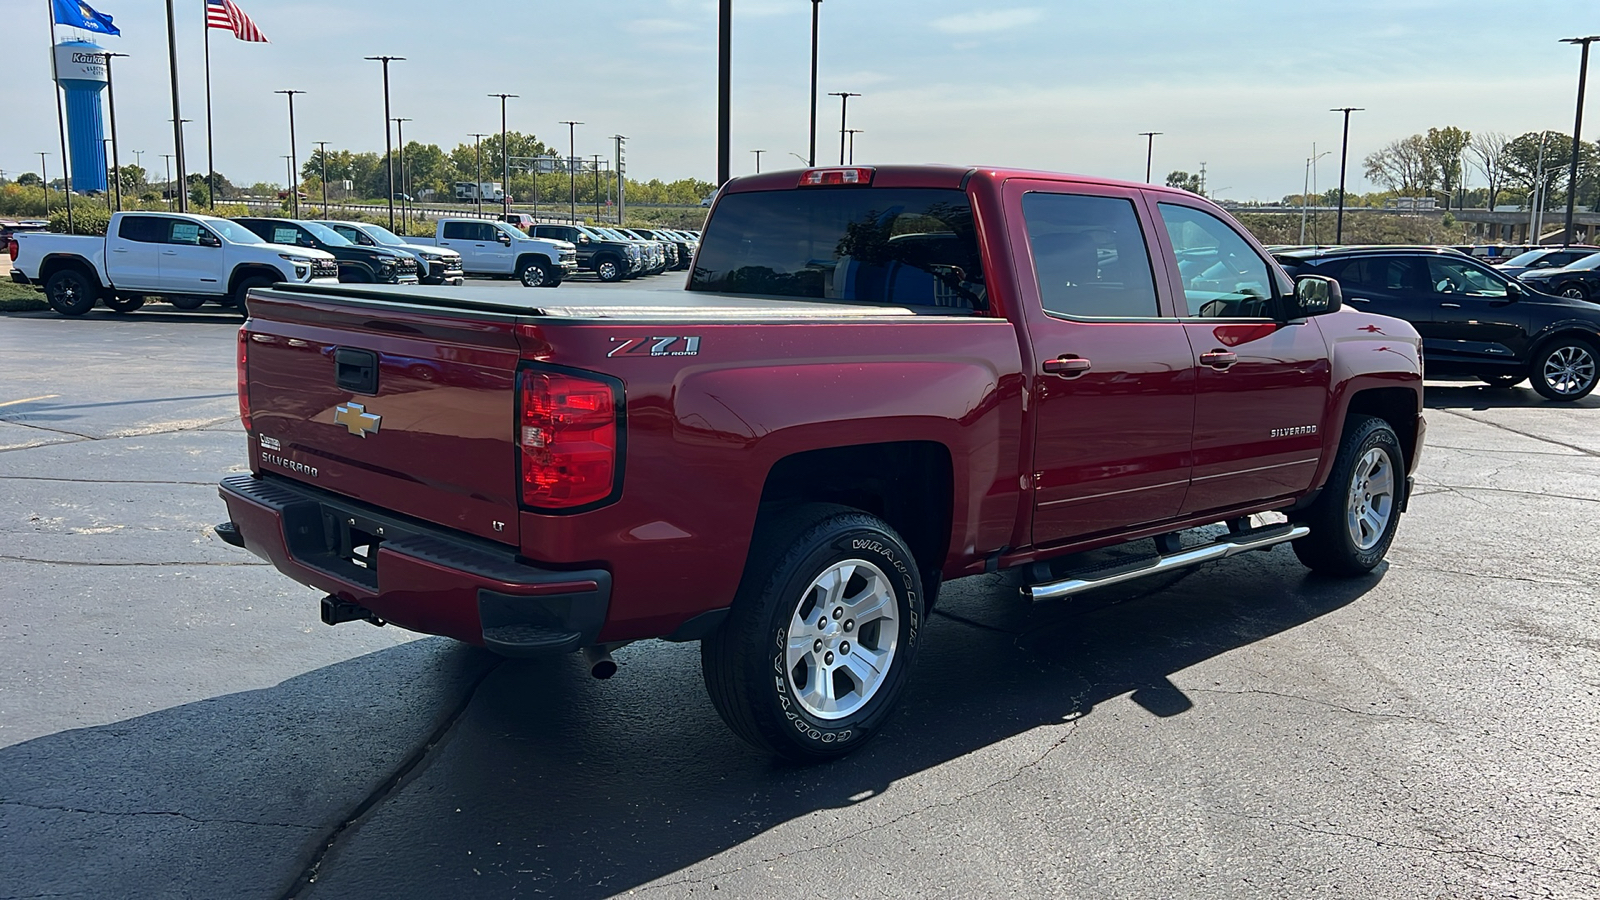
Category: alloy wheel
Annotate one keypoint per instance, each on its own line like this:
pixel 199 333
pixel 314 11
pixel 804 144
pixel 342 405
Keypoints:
pixel 842 638
pixel 1569 369
pixel 1370 503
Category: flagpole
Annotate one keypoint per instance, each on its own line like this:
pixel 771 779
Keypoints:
pixel 211 159
pixel 61 124
pixel 177 116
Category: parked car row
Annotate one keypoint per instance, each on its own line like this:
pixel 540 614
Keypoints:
pixel 1476 321
pixel 187 259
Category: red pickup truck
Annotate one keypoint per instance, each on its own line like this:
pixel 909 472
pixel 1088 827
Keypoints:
pixel 878 379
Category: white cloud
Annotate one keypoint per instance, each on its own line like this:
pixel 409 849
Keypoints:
pixel 988 20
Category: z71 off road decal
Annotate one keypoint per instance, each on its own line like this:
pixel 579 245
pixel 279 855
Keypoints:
pixel 656 346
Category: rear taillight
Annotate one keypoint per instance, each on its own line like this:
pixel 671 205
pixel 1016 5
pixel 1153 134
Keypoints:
pixel 12 248
pixel 847 175
pixel 567 436
pixel 244 378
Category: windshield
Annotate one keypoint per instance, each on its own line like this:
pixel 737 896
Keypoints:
pixel 594 235
pixel 916 247
pixel 613 235
pixel 383 235
pixel 1526 259
pixel 327 235
pixel 1592 261
pixel 233 232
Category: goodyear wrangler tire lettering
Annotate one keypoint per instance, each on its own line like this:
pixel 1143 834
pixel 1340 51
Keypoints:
pixel 822 636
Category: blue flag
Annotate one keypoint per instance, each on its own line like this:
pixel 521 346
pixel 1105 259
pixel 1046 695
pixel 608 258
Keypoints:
pixel 79 14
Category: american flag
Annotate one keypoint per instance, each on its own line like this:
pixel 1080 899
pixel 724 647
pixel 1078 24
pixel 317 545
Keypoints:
pixel 224 14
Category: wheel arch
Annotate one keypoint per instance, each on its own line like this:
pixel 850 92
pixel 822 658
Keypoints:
pixel 910 485
pixel 1565 329
pixel 251 270
pixel 56 262
pixel 531 258
pixel 1395 405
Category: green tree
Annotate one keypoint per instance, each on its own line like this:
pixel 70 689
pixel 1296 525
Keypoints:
pixel 1445 147
pixel 1184 181
pixel 29 179
pixel 1403 166
pixel 1488 151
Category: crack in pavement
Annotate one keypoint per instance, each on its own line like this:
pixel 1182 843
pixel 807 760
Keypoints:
pixel 1315 702
pixel 114 436
pixel 99 480
pixel 412 763
pixel 1447 851
pixel 69 562
pixel 1544 581
pixel 1543 440
pixel 1072 729
pixel 1432 446
pixel 1469 487
pixel 158 812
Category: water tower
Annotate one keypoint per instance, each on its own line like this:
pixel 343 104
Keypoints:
pixel 81 72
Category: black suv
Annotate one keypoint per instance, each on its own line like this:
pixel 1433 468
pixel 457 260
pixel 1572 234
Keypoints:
pixel 609 259
pixel 362 265
pixel 1474 322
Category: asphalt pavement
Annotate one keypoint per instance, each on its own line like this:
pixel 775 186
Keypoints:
pixel 176 722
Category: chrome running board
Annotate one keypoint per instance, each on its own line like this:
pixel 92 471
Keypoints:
pixel 1231 544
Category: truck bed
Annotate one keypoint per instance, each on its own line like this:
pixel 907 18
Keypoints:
pixel 589 302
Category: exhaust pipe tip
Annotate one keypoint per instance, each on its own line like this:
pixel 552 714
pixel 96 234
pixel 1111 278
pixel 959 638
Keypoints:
pixel 601 665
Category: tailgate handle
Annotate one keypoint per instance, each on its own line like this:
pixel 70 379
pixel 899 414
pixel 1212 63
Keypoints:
pixel 356 370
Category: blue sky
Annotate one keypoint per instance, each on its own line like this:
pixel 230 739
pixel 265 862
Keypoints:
pixel 1243 85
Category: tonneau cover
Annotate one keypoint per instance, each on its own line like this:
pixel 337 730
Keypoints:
pixel 594 302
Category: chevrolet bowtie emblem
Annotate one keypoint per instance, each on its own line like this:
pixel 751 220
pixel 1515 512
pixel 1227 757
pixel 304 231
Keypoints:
pixel 355 418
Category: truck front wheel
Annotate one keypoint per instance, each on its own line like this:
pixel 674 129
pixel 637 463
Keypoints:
pixel 536 274
pixel 70 292
pixel 822 634
pixel 1353 520
pixel 608 269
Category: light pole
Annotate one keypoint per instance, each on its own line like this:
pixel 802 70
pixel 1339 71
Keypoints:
pixel 177 117
pixel 477 186
pixel 1344 156
pixel 1149 151
pixel 168 158
pixel 111 102
pixel 400 135
pixel 294 161
pixel 853 132
pixel 44 182
pixel 288 166
pixel 322 156
pixel 622 200
pixel 1577 126
pixel 183 194
pixel 816 5
pixel 105 148
pixel 844 110
pixel 388 148
pixel 505 160
pixel 597 158
pixel 724 89
pixel 572 168
pixel 758 159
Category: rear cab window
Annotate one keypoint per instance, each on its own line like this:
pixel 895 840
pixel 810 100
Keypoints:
pixel 1089 256
pixel 914 247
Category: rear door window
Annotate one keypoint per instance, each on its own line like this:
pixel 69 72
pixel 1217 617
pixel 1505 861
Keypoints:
pixel 1090 256
pixel 143 229
pixel 458 231
pixel 906 246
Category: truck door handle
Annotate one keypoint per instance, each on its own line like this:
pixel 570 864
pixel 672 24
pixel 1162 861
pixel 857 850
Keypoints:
pixel 1219 359
pixel 1449 306
pixel 1359 300
pixel 1067 366
pixel 169 253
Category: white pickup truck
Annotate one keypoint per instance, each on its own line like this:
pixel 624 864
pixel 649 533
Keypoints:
pixel 185 259
pixel 497 248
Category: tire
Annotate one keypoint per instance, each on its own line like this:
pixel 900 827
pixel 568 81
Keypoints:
pixel 1502 381
pixel 358 275
pixel 608 269
pixel 118 304
pixel 1353 520
pixel 763 675
pixel 535 274
pixel 242 290
pixel 70 292
pixel 1573 290
pixel 1565 369
pixel 187 303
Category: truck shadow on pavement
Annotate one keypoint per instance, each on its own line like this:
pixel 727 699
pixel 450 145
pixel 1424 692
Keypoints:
pixel 546 781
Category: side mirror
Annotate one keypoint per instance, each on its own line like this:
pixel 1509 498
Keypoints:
pixel 208 239
pixel 1515 290
pixel 504 238
pixel 1314 295
pixel 583 239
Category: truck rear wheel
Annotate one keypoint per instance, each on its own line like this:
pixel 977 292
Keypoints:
pixel 1353 520
pixel 70 292
pixel 121 304
pixel 822 635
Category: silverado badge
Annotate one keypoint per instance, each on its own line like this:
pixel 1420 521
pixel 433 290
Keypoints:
pixel 355 418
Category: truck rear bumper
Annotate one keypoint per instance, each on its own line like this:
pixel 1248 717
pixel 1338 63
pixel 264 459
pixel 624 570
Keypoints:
pixel 418 576
pixel 17 277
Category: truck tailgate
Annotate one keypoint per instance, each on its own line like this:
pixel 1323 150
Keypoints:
pixel 413 412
